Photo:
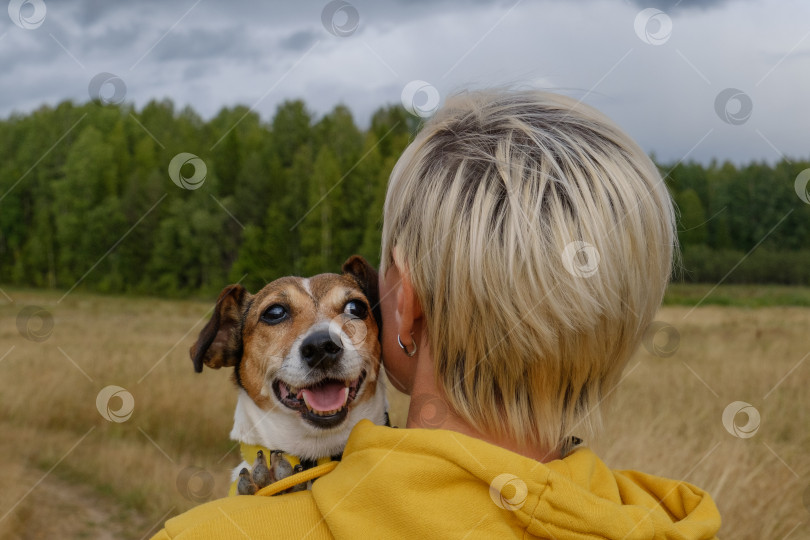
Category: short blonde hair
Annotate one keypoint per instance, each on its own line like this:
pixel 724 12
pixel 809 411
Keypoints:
pixel 539 240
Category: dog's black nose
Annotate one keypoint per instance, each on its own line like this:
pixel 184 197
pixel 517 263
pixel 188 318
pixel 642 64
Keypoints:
pixel 319 351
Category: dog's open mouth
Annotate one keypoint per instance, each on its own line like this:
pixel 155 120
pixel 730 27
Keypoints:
pixel 324 404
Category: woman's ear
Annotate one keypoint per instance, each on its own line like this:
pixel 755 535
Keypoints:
pixel 409 309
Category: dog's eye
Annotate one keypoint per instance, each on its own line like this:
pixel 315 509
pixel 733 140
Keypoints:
pixel 356 308
pixel 275 314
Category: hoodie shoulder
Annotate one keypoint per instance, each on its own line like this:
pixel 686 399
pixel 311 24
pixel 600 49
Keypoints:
pixel 626 503
pixel 690 511
pixel 293 515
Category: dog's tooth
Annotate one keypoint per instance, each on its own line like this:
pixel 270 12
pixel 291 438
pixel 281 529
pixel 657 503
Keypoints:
pixel 307 405
pixel 345 395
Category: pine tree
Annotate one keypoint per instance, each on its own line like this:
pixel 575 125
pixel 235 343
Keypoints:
pixel 692 228
pixel 318 227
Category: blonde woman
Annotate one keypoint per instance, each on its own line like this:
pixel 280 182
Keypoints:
pixel 527 243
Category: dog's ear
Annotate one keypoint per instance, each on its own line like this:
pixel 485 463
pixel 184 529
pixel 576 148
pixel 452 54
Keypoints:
pixel 220 341
pixel 366 276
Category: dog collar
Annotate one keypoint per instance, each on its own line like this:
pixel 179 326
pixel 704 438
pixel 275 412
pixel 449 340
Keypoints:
pixel 308 468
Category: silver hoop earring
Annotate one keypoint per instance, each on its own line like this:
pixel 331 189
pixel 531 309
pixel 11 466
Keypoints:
pixel 409 354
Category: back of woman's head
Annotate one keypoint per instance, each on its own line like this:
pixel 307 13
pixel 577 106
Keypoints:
pixel 539 240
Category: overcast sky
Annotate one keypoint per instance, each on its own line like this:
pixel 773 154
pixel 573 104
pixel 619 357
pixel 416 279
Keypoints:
pixel 661 69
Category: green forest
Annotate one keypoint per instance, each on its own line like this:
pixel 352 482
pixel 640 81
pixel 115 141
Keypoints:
pixel 87 201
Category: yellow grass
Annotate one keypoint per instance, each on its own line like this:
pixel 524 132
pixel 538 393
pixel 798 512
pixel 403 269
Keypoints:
pixel 119 480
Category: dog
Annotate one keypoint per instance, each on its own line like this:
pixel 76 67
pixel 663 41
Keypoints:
pixel 306 359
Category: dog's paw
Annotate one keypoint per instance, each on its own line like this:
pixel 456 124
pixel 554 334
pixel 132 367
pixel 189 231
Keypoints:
pixel 245 486
pixel 262 475
pixel 302 486
pixel 281 467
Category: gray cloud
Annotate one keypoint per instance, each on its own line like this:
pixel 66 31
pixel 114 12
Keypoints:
pixel 669 6
pixel 229 42
pixel 299 41
pixel 89 12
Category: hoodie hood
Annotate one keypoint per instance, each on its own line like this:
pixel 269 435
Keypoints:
pixel 438 483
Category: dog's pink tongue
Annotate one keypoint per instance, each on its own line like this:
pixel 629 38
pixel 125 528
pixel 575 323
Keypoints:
pixel 326 397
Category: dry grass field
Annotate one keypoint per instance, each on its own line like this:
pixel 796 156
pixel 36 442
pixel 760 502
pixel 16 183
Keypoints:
pixel 67 472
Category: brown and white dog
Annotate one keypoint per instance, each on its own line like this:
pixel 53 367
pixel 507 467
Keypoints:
pixel 306 359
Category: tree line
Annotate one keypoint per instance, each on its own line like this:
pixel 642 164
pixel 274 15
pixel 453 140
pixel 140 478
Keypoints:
pixel 86 200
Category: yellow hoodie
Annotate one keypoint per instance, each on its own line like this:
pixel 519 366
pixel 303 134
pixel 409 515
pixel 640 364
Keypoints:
pixel 417 483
